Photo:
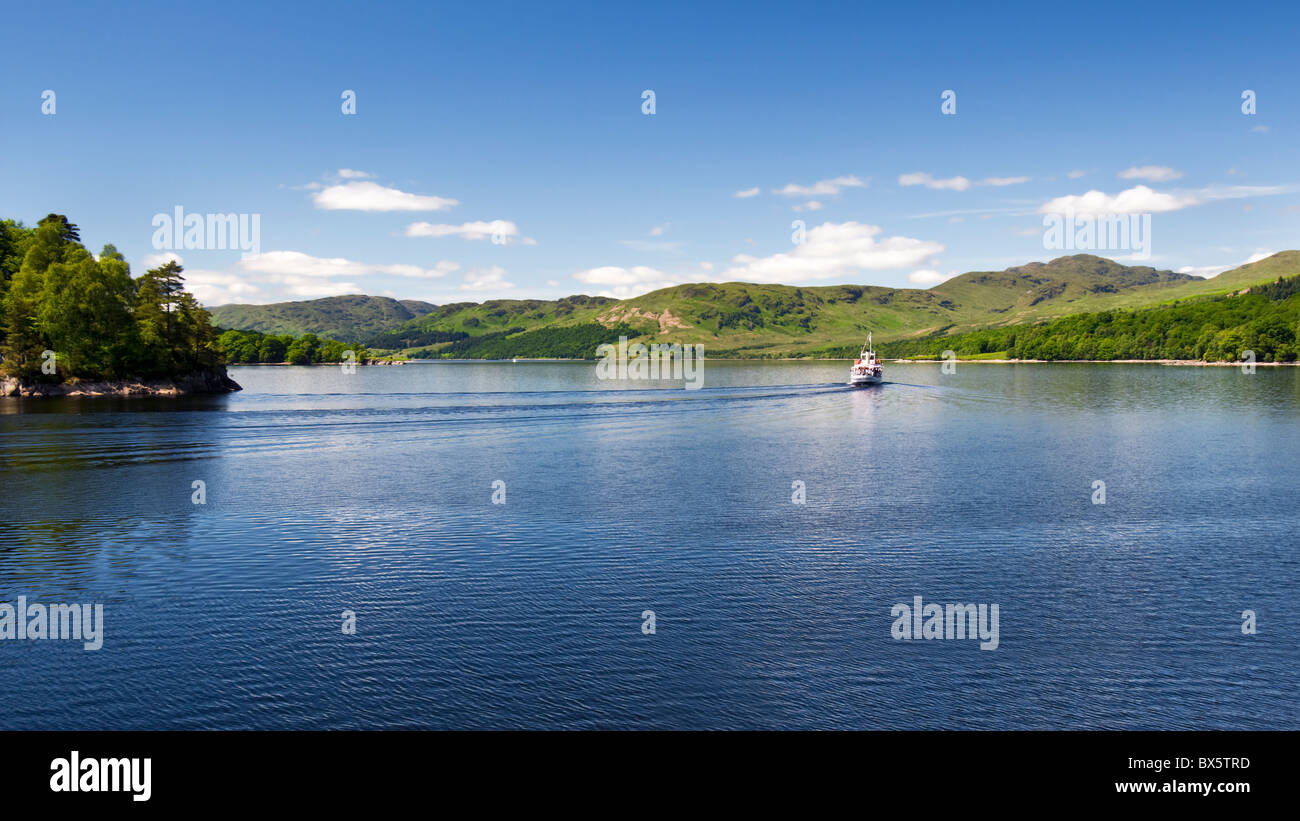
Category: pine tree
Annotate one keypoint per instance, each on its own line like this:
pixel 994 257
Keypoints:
pixel 158 296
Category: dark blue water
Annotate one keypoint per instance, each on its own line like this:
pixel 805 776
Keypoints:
pixel 372 492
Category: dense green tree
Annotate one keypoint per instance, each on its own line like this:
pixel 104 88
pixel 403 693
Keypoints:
pixel 68 232
pixel 196 346
pixel 85 315
pixel 157 301
pixel 252 347
pixel 90 313
pixel 14 241
pixel 24 339
pixel 303 350
pixel 272 349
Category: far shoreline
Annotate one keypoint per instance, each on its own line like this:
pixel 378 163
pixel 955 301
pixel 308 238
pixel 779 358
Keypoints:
pixel 1170 362
pixel 901 360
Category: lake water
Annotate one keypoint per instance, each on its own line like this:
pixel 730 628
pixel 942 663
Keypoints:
pixel 373 492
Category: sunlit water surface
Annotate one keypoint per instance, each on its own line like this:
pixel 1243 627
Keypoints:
pixel 372 492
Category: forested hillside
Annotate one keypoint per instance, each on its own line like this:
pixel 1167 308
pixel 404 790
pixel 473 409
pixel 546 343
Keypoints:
pixel 1266 320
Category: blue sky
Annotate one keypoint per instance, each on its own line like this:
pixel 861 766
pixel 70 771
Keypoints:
pixel 528 118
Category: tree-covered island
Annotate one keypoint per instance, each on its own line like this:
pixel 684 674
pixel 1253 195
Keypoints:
pixel 73 322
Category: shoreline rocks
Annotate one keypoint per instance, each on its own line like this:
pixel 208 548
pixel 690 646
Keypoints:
pixel 209 382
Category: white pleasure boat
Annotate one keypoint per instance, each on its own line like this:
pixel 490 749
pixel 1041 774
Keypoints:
pixel 867 370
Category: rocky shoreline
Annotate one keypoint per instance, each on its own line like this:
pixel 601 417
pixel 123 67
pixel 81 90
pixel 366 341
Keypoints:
pixel 210 382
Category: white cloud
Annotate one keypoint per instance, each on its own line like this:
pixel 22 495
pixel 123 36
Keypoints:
pixel 1209 271
pixel 1236 192
pixel 277 276
pixel 1142 200
pixel 1260 129
pixel 958 183
pixel 1150 173
pixel 922 178
pixel 659 230
pixel 151 261
pixel 1001 181
pixel 822 188
pixel 810 205
pixel 370 196
pixel 220 288
pixel 1136 200
pixel 486 279
pixel 834 250
pixel 652 245
pixel 1076 174
pixel 926 277
pixel 746 193
pixel 468 230
pixel 983 213
pixel 216 288
pixel 352 174
pixel 298 264
pixel 622 283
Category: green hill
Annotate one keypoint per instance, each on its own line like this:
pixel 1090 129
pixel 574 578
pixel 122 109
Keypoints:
pixel 349 318
pixel 754 320
pixel 1263 319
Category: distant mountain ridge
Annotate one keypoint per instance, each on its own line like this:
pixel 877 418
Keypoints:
pixel 756 320
pixel 351 318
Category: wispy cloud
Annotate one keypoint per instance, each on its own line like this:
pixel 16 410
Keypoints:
pixel 926 277
pixel 746 193
pixel 1237 192
pixel 506 230
pixel 1151 173
pixel 982 212
pixel 1142 200
pixel 821 188
pixel 486 279
pixel 209 287
pixel 1002 181
pixel 296 263
pixel 957 183
pixel 922 178
pixel 151 261
pixel 653 245
pixel 834 250
pixel 371 196
pixel 621 283
pixel 1209 271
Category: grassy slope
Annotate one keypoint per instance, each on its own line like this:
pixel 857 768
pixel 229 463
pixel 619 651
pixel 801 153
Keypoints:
pixel 1263 319
pixel 347 318
pixel 745 319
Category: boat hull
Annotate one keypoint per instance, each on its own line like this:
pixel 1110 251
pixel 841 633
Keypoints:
pixel 864 381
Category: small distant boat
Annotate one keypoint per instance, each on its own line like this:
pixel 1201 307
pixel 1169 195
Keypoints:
pixel 867 370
